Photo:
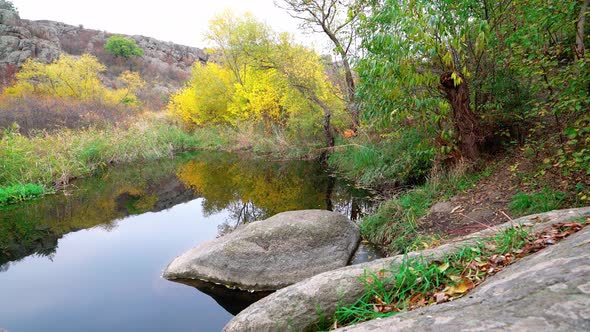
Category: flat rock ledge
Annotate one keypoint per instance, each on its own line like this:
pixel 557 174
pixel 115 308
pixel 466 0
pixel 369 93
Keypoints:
pixel 273 253
pixel 549 290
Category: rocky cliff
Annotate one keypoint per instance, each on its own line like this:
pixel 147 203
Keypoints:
pixel 164 64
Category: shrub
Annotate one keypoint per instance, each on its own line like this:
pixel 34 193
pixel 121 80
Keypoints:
pixel 405 158
pixel 19 193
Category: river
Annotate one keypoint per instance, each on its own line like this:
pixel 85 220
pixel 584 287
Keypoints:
pixel 90 258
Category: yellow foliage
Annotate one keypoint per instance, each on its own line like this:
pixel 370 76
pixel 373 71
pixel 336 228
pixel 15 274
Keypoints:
pixel 132 83
pixel 260 98
pixel 72 77
pixel 206 97
pixel 263 77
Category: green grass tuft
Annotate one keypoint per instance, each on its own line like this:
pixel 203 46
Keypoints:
pixel 20 192
pixel 418 276
pixel 403 159
pixel 543 201
pixel 394 225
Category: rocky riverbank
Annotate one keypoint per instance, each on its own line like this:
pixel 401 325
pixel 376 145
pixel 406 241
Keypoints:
pixel 296 307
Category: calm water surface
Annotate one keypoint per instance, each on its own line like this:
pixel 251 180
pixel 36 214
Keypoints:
pixel 90 259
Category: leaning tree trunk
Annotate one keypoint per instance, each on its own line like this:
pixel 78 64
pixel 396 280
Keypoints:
pixel 327 128
pixel 466 123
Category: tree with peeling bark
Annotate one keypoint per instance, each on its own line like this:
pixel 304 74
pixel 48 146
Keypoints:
pixel 336 19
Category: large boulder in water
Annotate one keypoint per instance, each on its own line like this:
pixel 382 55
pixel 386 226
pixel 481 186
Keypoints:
pixel 272 253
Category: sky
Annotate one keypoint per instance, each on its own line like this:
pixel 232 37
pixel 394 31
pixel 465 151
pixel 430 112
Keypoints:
pixel 181 22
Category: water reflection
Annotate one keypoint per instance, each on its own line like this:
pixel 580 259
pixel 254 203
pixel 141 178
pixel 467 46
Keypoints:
pixel 232 300
pixel 244 189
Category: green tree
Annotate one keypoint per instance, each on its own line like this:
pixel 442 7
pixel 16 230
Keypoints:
pixel 475 68
pixel 120 46
pixel 421 56
pixel 8 5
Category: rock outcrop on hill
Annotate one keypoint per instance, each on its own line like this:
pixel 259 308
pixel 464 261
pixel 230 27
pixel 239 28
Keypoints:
pixel 20 39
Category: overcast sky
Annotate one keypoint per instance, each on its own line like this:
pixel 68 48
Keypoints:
pixel 182 22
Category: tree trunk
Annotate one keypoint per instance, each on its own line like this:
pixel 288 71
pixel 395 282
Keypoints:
pixel 580 49
pixel 350 85
pixel 466 123
pixel 350 98
pixel 327 128
pixel 329 190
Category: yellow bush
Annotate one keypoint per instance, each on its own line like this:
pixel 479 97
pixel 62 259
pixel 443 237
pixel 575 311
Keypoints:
pixel 206 98
pixel 74 78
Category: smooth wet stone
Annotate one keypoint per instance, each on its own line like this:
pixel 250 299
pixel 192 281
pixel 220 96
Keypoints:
pixel 273 253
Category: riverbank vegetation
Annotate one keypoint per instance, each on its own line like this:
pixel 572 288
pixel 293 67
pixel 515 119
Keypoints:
pixel 418 281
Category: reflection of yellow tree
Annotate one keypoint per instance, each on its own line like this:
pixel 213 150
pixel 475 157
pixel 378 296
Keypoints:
pixel 271 189
pixel 207 179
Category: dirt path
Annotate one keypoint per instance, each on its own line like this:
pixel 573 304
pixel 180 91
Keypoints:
pixel 480 207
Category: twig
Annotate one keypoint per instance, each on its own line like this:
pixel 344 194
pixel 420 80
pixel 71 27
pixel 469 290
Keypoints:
pixel 505 215
pixel 479 222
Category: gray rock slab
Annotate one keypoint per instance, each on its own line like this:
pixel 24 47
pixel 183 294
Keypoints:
pixel 272 253
pixel 296 307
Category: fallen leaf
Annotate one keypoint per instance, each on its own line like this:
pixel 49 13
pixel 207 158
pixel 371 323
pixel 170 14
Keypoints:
pixel 388 308
pixel 498 259
pixel 461 288
pixel 443 267
pixel 473 265
pixel 416 298
pixel 379 301
pixel 455 278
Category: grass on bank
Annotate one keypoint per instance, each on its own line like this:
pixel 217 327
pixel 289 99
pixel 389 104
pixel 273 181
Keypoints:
pixel 384 161
pixel 20 192
pixel 50 159
pixel 543 201
pixel 29 163
pixel 419 282
pixel 394 225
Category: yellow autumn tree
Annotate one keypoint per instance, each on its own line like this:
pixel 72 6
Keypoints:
pixel 260 98
pixel 131 83
pixel 206 97
pixel 265 78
